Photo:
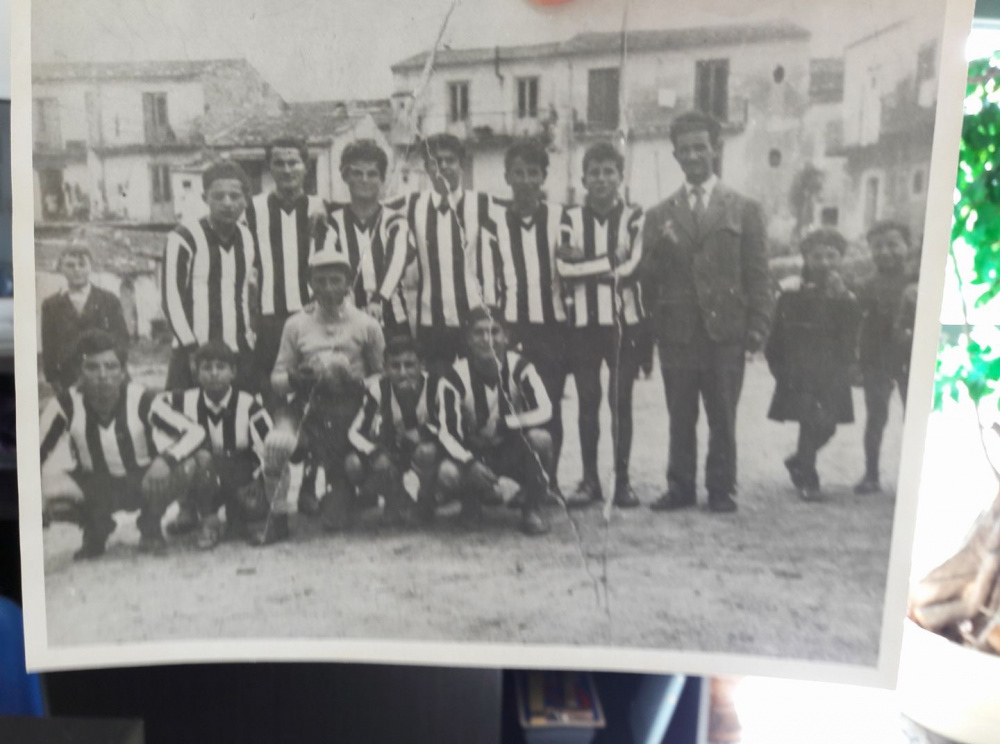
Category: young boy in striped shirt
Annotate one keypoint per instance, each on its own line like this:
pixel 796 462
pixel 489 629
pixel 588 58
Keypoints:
pixel 444 228
pixel 131 451
pixel 492 412
pixel 602 247
pixel 229 466
pixel 395 431
pixel 207 270
pixel 372 235
pixel 518 270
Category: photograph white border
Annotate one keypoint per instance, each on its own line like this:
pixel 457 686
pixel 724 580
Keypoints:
pixel 41 657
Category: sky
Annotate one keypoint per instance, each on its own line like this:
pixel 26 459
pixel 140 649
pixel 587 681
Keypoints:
pixel 337 49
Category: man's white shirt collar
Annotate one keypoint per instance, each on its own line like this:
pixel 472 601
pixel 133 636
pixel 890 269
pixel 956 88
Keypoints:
pixel 221 406
pixel 454 197
pixel 79 297
pixel 706 188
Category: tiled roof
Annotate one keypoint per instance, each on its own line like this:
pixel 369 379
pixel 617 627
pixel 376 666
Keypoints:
pixel 313 123
pixel 611 42
pixel 159 69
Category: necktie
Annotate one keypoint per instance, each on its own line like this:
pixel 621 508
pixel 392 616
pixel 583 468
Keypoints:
pixel 444 206
pixel 699 204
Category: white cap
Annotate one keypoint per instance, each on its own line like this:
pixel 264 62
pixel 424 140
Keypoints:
pixel 329 257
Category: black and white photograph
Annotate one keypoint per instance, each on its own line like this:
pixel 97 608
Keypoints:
pixel 480 332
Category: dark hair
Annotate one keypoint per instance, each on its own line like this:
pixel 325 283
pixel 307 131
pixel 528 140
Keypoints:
pixel 823 236
pixel 225 169
pixel 530 152
pixel 96 341
pixel 695 121
pixel 884 226
pixel 364 151
pixel 74 251
pixel 443 141
pixel 215 350
pixel 480 313
pixel 601 152
pixel 292 143
pixel 401 343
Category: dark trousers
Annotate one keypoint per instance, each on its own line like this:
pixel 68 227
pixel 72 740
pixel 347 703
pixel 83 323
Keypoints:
pixel 440 347
pixel 514 458
pixel 702 371
pixel 103 495
pixel 228 480
pixel 622 352
pixel 179 376
pixel 813 436
pixel 546 347
pixel 878 391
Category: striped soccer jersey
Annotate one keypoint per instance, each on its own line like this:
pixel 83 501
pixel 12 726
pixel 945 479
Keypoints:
pixel 206 285
pixel 612 249
pixel 141 427
pixel 284 241
pixel 469 406
pixel 446 239
pixel 237 424
pixel 517 264
pixel 377 252
pixel 383 418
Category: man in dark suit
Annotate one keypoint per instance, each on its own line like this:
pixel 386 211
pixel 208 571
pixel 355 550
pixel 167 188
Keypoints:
pixel 706 286
pixel 79 307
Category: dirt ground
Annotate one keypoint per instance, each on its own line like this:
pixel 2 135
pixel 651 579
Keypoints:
pixel 780 577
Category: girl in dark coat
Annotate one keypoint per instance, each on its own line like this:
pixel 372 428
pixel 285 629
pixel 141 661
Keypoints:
pixel 811 351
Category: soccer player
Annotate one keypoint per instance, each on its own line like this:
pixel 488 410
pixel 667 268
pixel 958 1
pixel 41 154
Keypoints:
pixel 67 314
pixel 283 223
pixel 444 227
pixel 492 412
pixel 602 246
pixel 327 351
pixel 229 468
pixel 207 269
pixel 395 431
pixel 131 450
pixel 519 274
pixel 373 236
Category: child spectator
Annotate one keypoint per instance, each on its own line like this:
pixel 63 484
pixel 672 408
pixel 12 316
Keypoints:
pixel 811 353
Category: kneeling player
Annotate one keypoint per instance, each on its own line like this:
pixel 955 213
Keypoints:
pixel 131 450
pixel 394 432
pixel 229 466
pixel 492 407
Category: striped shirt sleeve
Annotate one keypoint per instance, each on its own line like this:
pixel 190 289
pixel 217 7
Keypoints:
pixel 451 432
pixel 176 286
pixel 175 436
pixel 537 405
pixel 397 252
pixel 362 432
pixel 53 425
pixel 636 222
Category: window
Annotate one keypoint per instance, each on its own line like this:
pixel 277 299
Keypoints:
pixel 926 61
pixel 458 102
pixel 162 193
pixel 871 200
pixel 154 110
pixel 829 216
pixel 527 98
pixel 711 87
pixel 45 119
pixel 602 98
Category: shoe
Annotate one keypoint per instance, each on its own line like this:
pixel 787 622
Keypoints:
pixel 810 493
pixel 271 530
pixel 471 514
pixel 88 551
pixel 210 534
pixel 533 522
pixel 794 472
pixel 588 491
pixel 186 521
pixel 723 504
pixel 867 486
pixel 335 509
pixel 625 497
pixel 308 503
pixel 152 544
pixel 672 501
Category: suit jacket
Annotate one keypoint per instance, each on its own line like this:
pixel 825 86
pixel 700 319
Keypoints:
pixel 62 326
pixel 715 273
